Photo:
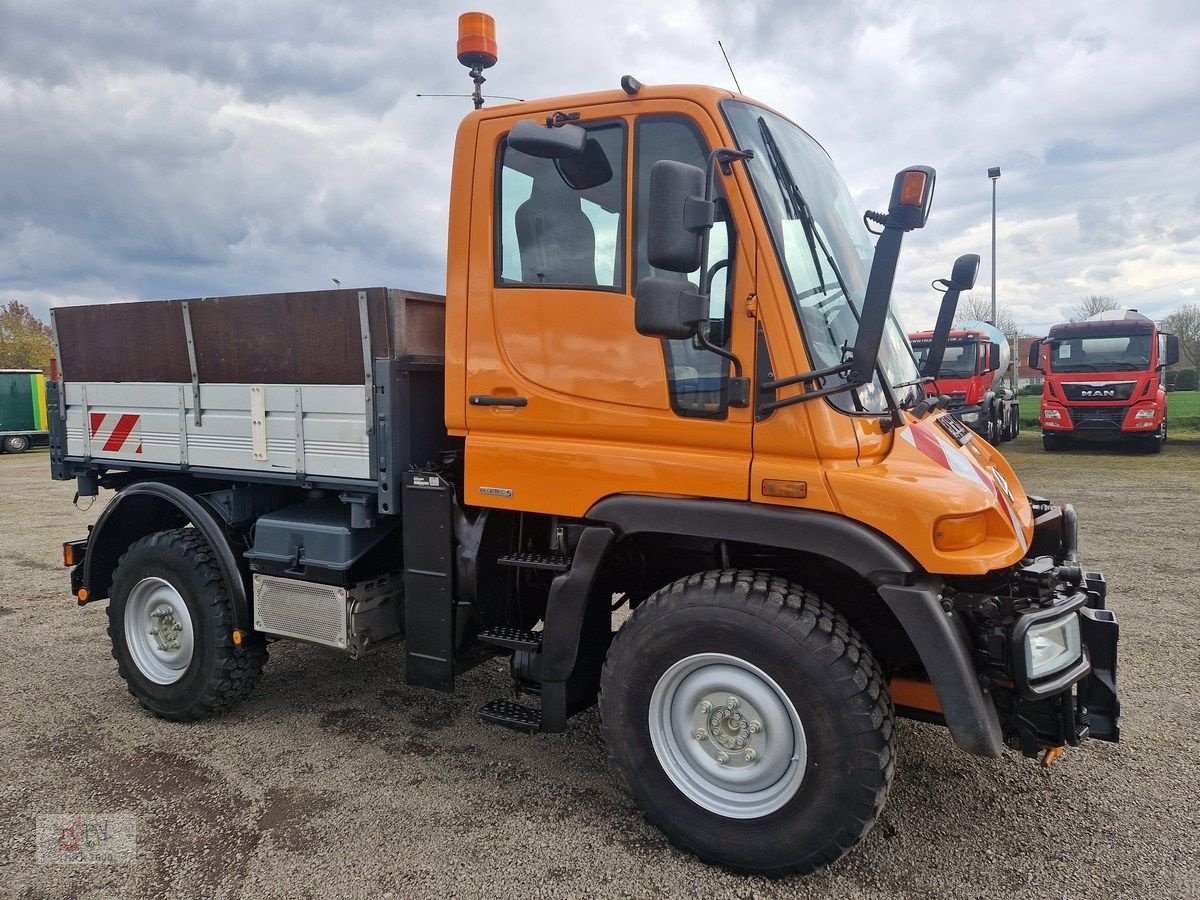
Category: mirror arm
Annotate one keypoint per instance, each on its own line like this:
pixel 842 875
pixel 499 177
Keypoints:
pixel 772 405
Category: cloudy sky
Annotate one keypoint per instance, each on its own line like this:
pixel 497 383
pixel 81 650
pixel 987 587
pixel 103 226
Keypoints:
pixel 151 149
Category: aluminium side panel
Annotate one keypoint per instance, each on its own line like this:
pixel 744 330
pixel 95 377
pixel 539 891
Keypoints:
pixel 316 430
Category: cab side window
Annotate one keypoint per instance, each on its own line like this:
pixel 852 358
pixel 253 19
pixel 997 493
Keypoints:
pixel 698 379
pixel 562 223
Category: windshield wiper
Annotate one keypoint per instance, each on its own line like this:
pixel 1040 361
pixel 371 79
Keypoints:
pixel 798 208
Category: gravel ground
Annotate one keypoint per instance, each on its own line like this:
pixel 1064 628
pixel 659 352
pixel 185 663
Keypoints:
pixel 336 779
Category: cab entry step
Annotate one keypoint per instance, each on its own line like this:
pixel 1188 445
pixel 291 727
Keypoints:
pixel 510 714
pixel 511 638
pixel 552 562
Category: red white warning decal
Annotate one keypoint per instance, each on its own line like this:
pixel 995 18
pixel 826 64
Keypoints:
pixel 116 432
pixel 959 461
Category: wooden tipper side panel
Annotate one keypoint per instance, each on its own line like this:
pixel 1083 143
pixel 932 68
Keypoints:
pixel 311 337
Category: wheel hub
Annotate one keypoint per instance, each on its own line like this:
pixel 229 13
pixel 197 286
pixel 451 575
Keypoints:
pixel 727 735
pixel 158 630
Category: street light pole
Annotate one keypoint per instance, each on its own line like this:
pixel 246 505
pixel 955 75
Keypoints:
pixel 994 174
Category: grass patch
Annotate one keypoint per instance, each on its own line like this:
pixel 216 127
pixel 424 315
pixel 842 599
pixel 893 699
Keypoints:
pixel 1183 411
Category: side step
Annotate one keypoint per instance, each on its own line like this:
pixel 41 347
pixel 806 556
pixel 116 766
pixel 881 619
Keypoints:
pixel 510 714
pixel 511 638
pixel 553 562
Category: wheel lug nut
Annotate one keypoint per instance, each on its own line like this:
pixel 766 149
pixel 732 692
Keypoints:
pixel 701 734
pixel 741 742
pixel 722 757
pixel 705 707
pixel 750 754
pixel 734 703
pixel 755 727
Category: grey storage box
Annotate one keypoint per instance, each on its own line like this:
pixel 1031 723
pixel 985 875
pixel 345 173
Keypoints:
pixel 317 534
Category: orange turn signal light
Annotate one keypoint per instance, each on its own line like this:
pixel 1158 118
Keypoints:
pixel 960 532
pixel 912 188
pixel 477 46
pixel 82 594
pixel 72 554
pixel 777 487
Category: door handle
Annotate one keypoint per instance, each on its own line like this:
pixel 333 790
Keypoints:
pixel 489 400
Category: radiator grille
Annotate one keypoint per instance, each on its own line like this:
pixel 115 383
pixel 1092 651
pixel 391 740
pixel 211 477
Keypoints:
pixel 1098 416
pixel 300 609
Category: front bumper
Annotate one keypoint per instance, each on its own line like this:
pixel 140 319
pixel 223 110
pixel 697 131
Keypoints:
pixel 1077 701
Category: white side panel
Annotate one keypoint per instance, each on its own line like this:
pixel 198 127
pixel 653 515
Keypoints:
pixel 137 422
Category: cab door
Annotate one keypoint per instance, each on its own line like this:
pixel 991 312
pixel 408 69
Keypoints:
pixel 566 402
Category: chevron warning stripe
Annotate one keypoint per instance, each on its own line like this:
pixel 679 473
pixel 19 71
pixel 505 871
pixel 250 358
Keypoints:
pixel 116 432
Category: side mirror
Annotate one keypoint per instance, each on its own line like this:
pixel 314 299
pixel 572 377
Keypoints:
pixel 562 142
pixel 912 194
pixel 965 271
pixel 962 278
pixel 1035 356
pixel 678 217
pixel 993 356
pixel 1172 356
pixel 668 308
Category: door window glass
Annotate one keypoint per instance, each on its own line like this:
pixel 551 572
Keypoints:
pixel 553 232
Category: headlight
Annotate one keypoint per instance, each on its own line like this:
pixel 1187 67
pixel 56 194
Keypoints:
pixel 1144 413
pixel 1051 414
pixel 969 417
pixel 1052 646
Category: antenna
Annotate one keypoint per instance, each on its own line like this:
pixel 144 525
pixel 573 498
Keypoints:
pixel 730 65
pixel 336 281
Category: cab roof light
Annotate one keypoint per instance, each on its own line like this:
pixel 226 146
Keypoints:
pixel 477 48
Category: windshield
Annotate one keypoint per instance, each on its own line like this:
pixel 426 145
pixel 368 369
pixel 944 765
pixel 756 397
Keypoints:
pixel 958 361
pixel 823 246
pixel 1110 353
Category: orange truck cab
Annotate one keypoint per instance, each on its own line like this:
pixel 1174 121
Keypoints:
pixel 670 380
pixel 1104 380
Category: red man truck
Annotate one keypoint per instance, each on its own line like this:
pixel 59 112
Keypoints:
pixel 1104 380
pixel 975 359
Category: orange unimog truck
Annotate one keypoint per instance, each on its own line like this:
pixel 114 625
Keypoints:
pixel 665 377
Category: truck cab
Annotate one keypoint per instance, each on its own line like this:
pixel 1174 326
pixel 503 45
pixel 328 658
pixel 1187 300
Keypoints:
pixel 667 377
pixel 1104 381
pixel 973 364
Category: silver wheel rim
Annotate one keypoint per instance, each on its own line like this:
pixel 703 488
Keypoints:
pixel 158 630
pixel 727 735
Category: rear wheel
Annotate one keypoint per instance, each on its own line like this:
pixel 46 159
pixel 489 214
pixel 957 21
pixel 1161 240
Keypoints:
pixel 16 443
pixel 170 622
pixel 750 722
pixel 1055 442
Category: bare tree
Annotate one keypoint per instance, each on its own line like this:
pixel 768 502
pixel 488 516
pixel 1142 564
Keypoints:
pixel 1091 304
pixel 1184 323
pixel 976 307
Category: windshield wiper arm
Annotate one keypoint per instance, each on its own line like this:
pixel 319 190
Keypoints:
pixel 798 208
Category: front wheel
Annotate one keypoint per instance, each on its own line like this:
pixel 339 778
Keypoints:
pixel 750 722
pixel 1054 442
pixel 16 443
pixel 170 622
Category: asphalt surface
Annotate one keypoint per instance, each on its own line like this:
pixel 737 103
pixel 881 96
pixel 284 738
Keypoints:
pixel 337 780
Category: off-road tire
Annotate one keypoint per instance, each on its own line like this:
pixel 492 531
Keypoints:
pixel 220 674
pixel 826 671
pixel 1055 442
pixel 16 443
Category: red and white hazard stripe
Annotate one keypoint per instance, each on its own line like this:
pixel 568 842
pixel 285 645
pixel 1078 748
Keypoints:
pixel 116 432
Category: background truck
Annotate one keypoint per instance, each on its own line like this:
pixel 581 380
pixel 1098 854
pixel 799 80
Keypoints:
pixel 665 375
pixel 1104 380
pixel 22 410
pixel 972 374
